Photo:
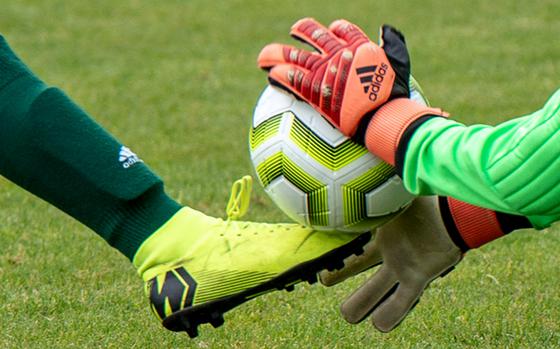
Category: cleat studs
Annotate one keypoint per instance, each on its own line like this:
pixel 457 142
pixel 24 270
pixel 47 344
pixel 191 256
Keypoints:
pixel 336 266
pixel 312 279
pixel 192 332
pixel 216 320
pixel 191 329
pixel 359 251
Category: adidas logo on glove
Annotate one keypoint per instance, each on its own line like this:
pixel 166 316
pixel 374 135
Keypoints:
pixel 371 79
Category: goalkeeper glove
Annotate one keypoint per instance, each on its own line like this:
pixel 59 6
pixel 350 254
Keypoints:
pixel 422 244
pixel 349 78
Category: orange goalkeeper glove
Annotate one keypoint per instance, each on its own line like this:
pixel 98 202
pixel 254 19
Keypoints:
pixel 350 77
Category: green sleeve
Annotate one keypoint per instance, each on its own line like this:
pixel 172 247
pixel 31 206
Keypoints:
pixel 513 167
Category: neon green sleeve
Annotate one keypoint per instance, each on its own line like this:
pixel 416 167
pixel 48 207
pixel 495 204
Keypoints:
pixel 513 167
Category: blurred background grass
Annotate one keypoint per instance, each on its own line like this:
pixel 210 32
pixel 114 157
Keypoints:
pixel 176 81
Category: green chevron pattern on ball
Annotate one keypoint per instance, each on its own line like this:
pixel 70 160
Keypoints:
pixel 354 192
pixel 332 157
pixel 270 169
pixel 264 131
pixel 316 192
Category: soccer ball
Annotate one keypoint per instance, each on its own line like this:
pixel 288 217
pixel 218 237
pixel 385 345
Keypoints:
pixel 316 175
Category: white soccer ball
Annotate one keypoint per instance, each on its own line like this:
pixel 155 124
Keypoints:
pixel 316 175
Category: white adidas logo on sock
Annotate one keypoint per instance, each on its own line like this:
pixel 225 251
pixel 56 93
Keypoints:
pixel 127 157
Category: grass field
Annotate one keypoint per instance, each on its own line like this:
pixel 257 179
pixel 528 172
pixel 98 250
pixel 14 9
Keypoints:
pixel 176 81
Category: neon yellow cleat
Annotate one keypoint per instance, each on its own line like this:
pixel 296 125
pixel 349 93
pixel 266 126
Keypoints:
pixel 198 267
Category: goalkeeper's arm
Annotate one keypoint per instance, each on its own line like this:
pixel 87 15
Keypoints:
pixel 513 167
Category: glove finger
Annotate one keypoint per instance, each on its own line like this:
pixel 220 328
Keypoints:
pixel 353 265
pixel 315 34
pixel 390 34
pixel 348 31
pixel 393 43
pixel 364 300
pixel 288 77
pixel 275 54
pixel 392 311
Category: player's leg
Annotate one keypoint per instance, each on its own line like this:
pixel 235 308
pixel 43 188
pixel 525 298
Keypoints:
pixel 196 267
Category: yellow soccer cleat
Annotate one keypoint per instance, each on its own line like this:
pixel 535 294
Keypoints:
pixel 198 267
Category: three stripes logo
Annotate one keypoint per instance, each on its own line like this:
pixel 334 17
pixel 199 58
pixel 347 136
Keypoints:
pixel 371 78
pixel 366 76
pixel 127 157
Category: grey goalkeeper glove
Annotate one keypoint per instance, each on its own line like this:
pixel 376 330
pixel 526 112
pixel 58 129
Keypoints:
pixel 420 245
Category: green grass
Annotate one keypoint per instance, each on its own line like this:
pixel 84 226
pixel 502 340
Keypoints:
pixel 176 81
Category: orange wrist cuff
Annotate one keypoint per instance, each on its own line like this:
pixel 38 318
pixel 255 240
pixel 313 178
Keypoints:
pixel 389 123
pixel 477 226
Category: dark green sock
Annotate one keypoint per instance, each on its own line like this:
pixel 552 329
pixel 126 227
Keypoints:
pixel 52 148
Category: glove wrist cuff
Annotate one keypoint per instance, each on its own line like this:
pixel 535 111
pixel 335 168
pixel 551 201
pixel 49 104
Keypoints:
pixel 471 226
pixel 476 226
pixel 389 124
